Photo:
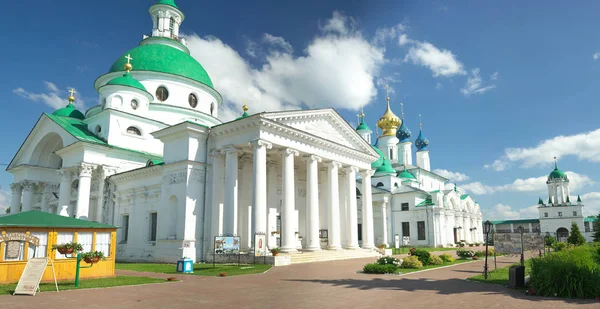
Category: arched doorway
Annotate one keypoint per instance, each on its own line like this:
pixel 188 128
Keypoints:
pixel 44 152
pixel 562 234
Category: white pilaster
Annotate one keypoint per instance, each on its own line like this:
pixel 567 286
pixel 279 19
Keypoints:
pixel 17 192
pixel 423 160
pixel 45 188
pixel 104 172
pixel 259 187
pixel 312 202
pixel 29 188
pixel 64 197
pixel 288 237
pixel 333 227
pixel 83 191
pixel 352 214
pixel 384 224
pixel 230 204
pixel 218 167
pixel 367 211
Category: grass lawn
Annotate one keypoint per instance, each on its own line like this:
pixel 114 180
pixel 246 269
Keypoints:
pixel 85 284
pixel 500 275
pixel 199 269
pixel 412 270
pixel 428 249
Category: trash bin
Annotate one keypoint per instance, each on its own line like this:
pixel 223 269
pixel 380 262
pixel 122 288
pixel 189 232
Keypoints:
pixel 185 265
pixel 516 277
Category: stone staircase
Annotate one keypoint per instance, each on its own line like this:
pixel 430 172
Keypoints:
pixel 331 255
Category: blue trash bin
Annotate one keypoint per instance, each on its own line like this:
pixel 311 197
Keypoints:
pixel 185 265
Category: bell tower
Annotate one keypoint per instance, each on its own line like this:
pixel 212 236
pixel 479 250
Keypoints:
pixel 166 19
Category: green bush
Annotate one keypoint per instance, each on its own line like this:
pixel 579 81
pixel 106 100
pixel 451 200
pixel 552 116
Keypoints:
pixel 388 260
pixel 411 262
pixel 568 273
pixel 447 258
pixel 549 240
pixel 480 254
pixel 559 246
pixel 464 254
pixel 422 255
pixel 380 269
pixel 575 238
pixel 435 260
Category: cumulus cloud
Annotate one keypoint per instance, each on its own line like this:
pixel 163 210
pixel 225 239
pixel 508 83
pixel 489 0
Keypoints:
pixel 53 96
pixel 475 84
pixel 596 55
pixel 385 34
pixel 497 165
pixel 442 62
pixel 452 176
pixel 591 203
pixel 338 68
pixel 585 146
pixel 533 184
pixel 278 42
pixel 506 212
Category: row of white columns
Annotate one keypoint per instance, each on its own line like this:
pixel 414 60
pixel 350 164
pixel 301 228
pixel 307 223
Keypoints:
pixel 225 193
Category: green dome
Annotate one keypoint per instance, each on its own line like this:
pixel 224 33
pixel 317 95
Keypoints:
pixel 163 59
pixel 557 174
pixel 362 126
pixel 69 111
pixel 128 81
pixel 168 2
pixel 406 175
pixel 377 163
pixel 385 169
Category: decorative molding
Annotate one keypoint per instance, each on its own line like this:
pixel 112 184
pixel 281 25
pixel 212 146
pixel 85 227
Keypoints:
pixel 231 150
pixel 197 174
pixel 290 151
pixel 86 170
pixel 260 143
pixel 351 169
pixel 16 187
pixel 29 185
pixel 334 164
pixel 312 158
pixel 174 178
pixel 367 173
pixel 65 175
pixel 216 153
pixel 136 174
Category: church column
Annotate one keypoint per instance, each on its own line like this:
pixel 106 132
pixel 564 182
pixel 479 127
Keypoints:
pixel 288 237
pixel 333 226
pixel 259 187
pixel 230 204
pixel 17 192
pixel 104 172
pixel 28 190
pixel 312 202
pixel 45 188
pixel 384 225
pixel 64 197
pixel 83 191
pixel 218 166
pixel 367 211
pixel 352 224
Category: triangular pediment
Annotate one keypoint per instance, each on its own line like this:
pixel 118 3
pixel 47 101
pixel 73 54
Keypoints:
pixel 326 124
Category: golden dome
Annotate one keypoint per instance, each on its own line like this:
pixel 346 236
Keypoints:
pixel 389 122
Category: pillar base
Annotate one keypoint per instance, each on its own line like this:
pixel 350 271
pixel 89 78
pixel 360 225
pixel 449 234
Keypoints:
pixel 334 247
pixel 288 250
pixel 314 249
pixel 368 246
pixel 352 247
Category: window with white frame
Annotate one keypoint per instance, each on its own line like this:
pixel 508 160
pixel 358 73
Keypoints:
pixel 85 239
pixel 103 243
pixel 40 250
pixel 124 228
pixel 63 238
pixel 574 214
pixel 560 213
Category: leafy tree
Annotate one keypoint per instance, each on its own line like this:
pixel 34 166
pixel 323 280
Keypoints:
pixel 576 238
pixel 549 240
pixel 596 225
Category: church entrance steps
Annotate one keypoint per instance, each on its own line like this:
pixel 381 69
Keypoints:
pixel 330 255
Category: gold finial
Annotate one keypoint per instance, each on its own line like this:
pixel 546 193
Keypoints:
pixel 387 90
pixel 128 66
pixel 245 108
pixel 72 97
pixel 420 123
pixel 389 122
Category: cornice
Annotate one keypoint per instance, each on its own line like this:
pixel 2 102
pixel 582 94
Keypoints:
pixel 141 172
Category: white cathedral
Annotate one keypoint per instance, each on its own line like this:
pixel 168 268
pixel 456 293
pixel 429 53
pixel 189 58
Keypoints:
pixel 153 158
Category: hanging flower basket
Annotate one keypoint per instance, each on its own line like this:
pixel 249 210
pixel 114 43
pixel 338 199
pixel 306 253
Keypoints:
pixel 68 248
pixel 93 260
pixel 64 250
pixel 92 257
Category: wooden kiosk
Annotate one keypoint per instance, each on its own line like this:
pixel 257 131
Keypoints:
pixel 33 233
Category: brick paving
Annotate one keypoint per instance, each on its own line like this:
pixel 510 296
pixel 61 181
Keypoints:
pixel 313 285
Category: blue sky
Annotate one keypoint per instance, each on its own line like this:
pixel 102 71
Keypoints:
pixel 512 83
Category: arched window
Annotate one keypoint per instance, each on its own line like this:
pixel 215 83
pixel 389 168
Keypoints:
pixel 212 108
pixel 379 184
pixel 134 131
pixel 193 100
pixel 162 93
pixel 391 154
pixel 172 25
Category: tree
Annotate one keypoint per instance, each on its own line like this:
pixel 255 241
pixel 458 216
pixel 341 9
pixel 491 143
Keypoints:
pixel 596 225
pixel 576 238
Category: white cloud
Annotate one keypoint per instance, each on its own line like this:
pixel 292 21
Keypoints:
pixel 506 212
pixel 591 203
pixel 533 184
pixel 278 41
pixel 54 97
pixel 403 40
pixel 596 55
pixel 475 84
pixel 441 62
pixel 497 166
pixel 452 176
pixel 439 86
pixel 338 69
pixel 494 76
pixel 385 34
pixel 586 146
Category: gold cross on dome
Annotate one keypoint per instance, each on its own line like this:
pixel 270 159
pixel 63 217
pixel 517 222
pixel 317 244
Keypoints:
pixel 72 91
pixel 387 90
pixel 128 57
pixel 420 122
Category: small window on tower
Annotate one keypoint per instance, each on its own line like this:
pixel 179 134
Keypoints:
pixel 574 214
pixel 545 215
pixel 391 154
pixel 162 93
pixel 193 100
pixel 560 214
pixel 134 131
pixel 134 104
pixel 172 25
pixel 212 108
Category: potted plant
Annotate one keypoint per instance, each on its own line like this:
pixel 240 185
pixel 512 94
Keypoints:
pixel 275 251
pixel 222 274
pixel 382 246
pixel 68 248
pixel 93 257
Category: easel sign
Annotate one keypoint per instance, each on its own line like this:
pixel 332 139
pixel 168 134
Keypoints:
pixel 29 283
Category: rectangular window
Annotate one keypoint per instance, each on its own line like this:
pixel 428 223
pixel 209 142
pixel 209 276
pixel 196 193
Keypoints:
pixel 124 228
pixel 545 215
pixel 404 206
pixel 153 222
pixel 391 154
pixel 560 213
pixel 421 230
pixel 85 239
pixel 405 229
pixel 574 214
pixel 63 238
pixel 40 250
pixel 103 243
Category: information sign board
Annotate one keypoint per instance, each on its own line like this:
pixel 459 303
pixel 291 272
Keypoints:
pixel 31 276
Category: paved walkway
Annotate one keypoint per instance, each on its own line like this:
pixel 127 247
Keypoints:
pixel 313 285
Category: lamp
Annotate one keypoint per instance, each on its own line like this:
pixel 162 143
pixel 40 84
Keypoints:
pixel 487 226
pixel 521 230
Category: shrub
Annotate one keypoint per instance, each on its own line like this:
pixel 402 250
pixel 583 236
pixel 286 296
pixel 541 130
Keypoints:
pixel 411 262
pixel 471 245
pixel 447 258
pixel 463 254
pixel 559 246
pixel 549 241
pixel 376 268
pixel 462 244
pixel 422 255
pixel 576 238
pixel 480 254
pixel 435 260
pixel 568 273
pixel 388 260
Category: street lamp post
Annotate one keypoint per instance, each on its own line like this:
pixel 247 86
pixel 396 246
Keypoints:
pixel 521 230
pixel 486 229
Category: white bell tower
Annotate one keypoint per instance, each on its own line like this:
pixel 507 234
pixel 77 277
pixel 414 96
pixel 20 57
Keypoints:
pixel 166 19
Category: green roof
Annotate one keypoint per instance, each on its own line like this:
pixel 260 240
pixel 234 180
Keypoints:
pixel 426 202
pixel 69 111
pixel 522 221
pixel 435 191
pixel 168 2
pixel 244 115
pixel 385 169
pixel 153 162
pixel 556 173
pixel 464 196
pixel 377 163
pixel 164 59
pixel 406 175
pixel 36 218
pixel 587 219
pixel 578 198
pixel 362 126
pixel 128 81
pixel 540 202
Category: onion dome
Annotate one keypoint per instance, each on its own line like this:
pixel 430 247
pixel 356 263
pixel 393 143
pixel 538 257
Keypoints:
pixel 557 174
pixel 403 133
pixel 69 110
pixel 362 126
pixel 245 114
pixel 385 169
pixel 377 163
pixel 421 142
pixel 389 122
pixel 128 81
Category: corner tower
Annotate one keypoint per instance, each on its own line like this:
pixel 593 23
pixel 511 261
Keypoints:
pixel 422 152
pixel 166 19
pixel 404 147
pixel 558 186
